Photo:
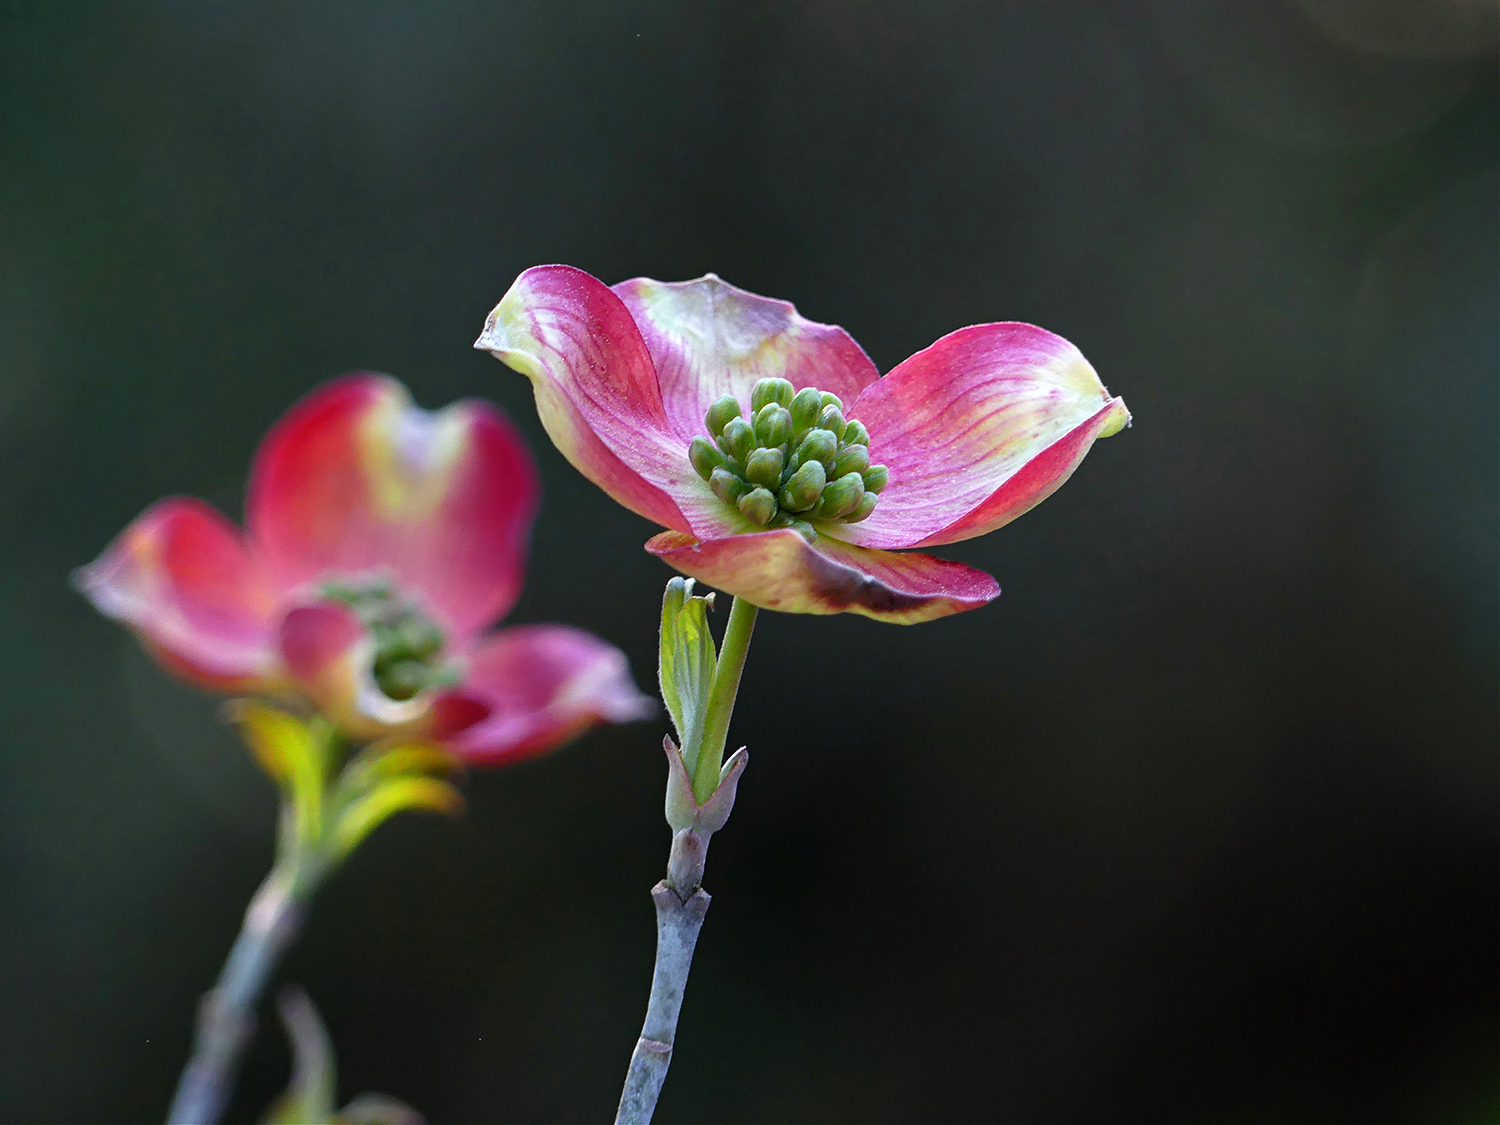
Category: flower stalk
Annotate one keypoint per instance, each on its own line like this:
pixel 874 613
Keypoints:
pixel 226 1015
pixel 701 788
pixel 326 812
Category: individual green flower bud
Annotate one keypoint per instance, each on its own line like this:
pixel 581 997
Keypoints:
pixel 818 445
pixel 724 408
pixel 402 679
pixel 758 505
pixel 418 637
pixel 875 478
pixel 801 492
pixel 831 399
pixel 856 434
pixel 770 390
pixel 805 407
pixel 831 418
pixel 805 529
pixel 840 497
pixel 773 425
pixel 863 509
pixel 705 457
pixel 737 439
pixel 851 459
pixel 727 487
pixel 764 467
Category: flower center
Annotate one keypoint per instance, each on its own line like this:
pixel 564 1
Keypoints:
pixel 794 459
pixel 408 646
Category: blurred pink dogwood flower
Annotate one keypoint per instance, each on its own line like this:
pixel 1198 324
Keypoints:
pixel 784 466
pixel 381 541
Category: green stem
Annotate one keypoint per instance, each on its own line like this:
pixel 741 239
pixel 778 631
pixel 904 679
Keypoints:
pixel 721 696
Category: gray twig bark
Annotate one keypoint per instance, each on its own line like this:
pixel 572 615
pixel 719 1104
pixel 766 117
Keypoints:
pixel 226 1015
pixel 679 917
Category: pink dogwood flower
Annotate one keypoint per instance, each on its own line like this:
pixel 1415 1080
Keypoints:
pixel 381 541
pixel 786 469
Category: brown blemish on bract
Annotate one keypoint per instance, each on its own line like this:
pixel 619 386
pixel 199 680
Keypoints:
pixel 817 582
pixel 842 587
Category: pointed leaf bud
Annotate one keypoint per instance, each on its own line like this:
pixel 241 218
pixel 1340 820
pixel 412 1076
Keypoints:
pixel 773 425
pixel 840 497
pixel 758 505
pixel 804 408
pixel 686 668
pixel 831 418
pixel 863 509
pixel 724 408
pixel 801 492
pixel 856 434
pixel 705 457
pixel 727 487
pixel 851 459
pixel 737 439
pixel 875 477
pixel 818 445
pixel 764 467
pixel 768 391
pixel 672 601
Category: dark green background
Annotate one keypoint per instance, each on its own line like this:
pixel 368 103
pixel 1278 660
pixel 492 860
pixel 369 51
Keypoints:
pixel 1197 822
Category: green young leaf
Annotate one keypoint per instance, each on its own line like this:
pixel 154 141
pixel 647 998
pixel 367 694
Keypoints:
pixel 366 813
pixel 672 601
pixel 688 657
pixel 293 753
pixel 388 758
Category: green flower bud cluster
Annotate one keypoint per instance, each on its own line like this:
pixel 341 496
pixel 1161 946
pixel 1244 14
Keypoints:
pixel 407 643
pixel 796 458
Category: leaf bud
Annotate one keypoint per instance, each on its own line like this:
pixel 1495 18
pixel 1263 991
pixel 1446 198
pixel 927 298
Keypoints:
pixel 801 492
pixel 840 497
pixel 705 457
pixel 764 466
pixel 727 487
pixel 856 434
pixel 773 425
pixel 737 439
pixel 851 459
pixel 818 445
pixel 863 509
pixel 724 408
pixel 770 390
pixel 758 505
pixel 875 478
pixel 805 407
pixel 672 600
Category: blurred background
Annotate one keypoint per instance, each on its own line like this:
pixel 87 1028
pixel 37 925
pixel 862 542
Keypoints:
pixel 1197 822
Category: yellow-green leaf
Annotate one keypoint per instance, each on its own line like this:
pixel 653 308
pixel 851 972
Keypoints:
pixel 366 813
pixel 291 752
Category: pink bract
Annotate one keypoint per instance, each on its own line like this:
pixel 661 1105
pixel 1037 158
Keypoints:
pixel 426 516
pixel 976 429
